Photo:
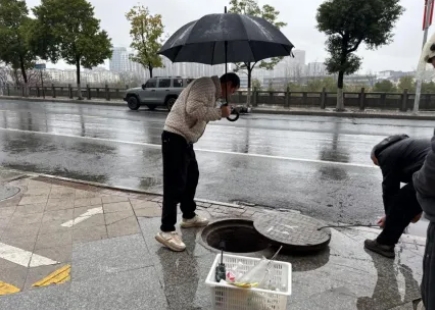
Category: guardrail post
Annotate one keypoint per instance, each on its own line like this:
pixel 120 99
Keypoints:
pixel 70 91
pixel 287 97
pixel 271 98
pixel 304 98
pixel 362 99
pixel 107 93
pixel 404 106
pixel 383 99
pixel 323 99
pixel 254 99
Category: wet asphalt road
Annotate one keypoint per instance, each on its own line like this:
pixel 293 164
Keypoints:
pixel 318 165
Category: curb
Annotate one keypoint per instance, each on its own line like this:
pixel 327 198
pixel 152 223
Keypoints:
pixel 411 238
pixel 405 115
pixel 25 174
pixel 346 114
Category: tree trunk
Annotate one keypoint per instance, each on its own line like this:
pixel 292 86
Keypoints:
pixel 248 101
pixel 340 96
pixel 24 73
pixel 150 68
pixel 17 79
pixel 79 88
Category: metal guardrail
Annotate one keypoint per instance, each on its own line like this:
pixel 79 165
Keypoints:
pixel 362 100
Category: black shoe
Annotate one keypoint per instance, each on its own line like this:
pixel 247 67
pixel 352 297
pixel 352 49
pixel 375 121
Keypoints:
pixel 381 249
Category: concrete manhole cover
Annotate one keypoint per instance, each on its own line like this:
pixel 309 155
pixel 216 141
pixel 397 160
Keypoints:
pixel 8 192
pixel 294 232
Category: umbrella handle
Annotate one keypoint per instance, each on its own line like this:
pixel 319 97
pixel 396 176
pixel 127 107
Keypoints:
pixel 232 110
pixel 235 118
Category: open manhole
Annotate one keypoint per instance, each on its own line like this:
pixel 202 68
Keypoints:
pixel 296 233
pixel 7 192
pixel 236 235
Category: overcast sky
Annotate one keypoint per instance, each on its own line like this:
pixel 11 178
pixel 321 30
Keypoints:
pixel 301 30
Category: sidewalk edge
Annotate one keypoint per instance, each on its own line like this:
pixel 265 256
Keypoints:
pixel 100 185
pixel 345 114
pixel 117 103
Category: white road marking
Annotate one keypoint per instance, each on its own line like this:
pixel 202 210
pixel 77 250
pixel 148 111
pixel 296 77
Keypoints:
pixel 23 257
pixel 83 217
pixel 198 150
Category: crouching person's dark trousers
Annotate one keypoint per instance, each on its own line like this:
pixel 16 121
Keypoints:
pixel 404 209
pixel 180 178
pixel 428 282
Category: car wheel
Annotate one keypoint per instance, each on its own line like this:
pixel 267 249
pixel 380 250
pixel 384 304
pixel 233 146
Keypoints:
pixel 133 103
pixel 151 107
pixel 170 103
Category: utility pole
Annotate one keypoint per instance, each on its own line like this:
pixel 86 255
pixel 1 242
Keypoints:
pixel 427 21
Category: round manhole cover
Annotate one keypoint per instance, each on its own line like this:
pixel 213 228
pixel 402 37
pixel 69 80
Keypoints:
pixel 294 232
pixel 8 192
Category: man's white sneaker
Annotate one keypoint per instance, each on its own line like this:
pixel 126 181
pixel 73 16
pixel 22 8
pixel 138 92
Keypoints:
pixel 197 221
pixel 171 240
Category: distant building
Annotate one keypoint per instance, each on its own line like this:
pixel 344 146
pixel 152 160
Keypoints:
pixel 395 76
pixel 91 77
pixel 316 69
pixel 121 62
pixel 288 67
pixel 193 70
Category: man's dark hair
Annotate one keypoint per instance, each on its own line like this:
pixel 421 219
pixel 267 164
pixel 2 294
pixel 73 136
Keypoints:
pixel 232 78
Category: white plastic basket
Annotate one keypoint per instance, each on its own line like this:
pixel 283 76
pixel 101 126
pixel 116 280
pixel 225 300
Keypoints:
pixel 229 297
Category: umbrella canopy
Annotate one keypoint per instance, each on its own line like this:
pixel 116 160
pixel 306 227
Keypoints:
pixel 220 38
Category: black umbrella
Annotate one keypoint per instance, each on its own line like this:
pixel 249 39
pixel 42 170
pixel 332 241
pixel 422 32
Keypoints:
pixel 222 38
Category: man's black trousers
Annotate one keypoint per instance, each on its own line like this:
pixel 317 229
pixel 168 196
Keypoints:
pixel 428 282
pixel 180 179
pixel 404 209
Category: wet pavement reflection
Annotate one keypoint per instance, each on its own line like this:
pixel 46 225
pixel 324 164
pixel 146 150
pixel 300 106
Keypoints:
pixel 119 147
pixel 387 287
pixel 344 276
pixel 180 275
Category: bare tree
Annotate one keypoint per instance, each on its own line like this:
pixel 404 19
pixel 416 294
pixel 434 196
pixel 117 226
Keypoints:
pixel 34 77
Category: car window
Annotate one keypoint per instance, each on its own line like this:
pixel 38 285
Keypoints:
pixel 189 81
pixel 151 84
pixel 164 83
pixel 178 82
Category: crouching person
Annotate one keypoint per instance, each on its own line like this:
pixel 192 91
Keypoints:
pixel 399 157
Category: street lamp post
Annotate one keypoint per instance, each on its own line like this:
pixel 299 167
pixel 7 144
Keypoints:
pixel 427 21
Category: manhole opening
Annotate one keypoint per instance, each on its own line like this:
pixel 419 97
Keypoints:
pixel 236 235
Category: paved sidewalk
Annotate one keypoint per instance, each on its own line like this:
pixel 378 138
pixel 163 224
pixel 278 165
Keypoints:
pixel 65 245
pixel 264 109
